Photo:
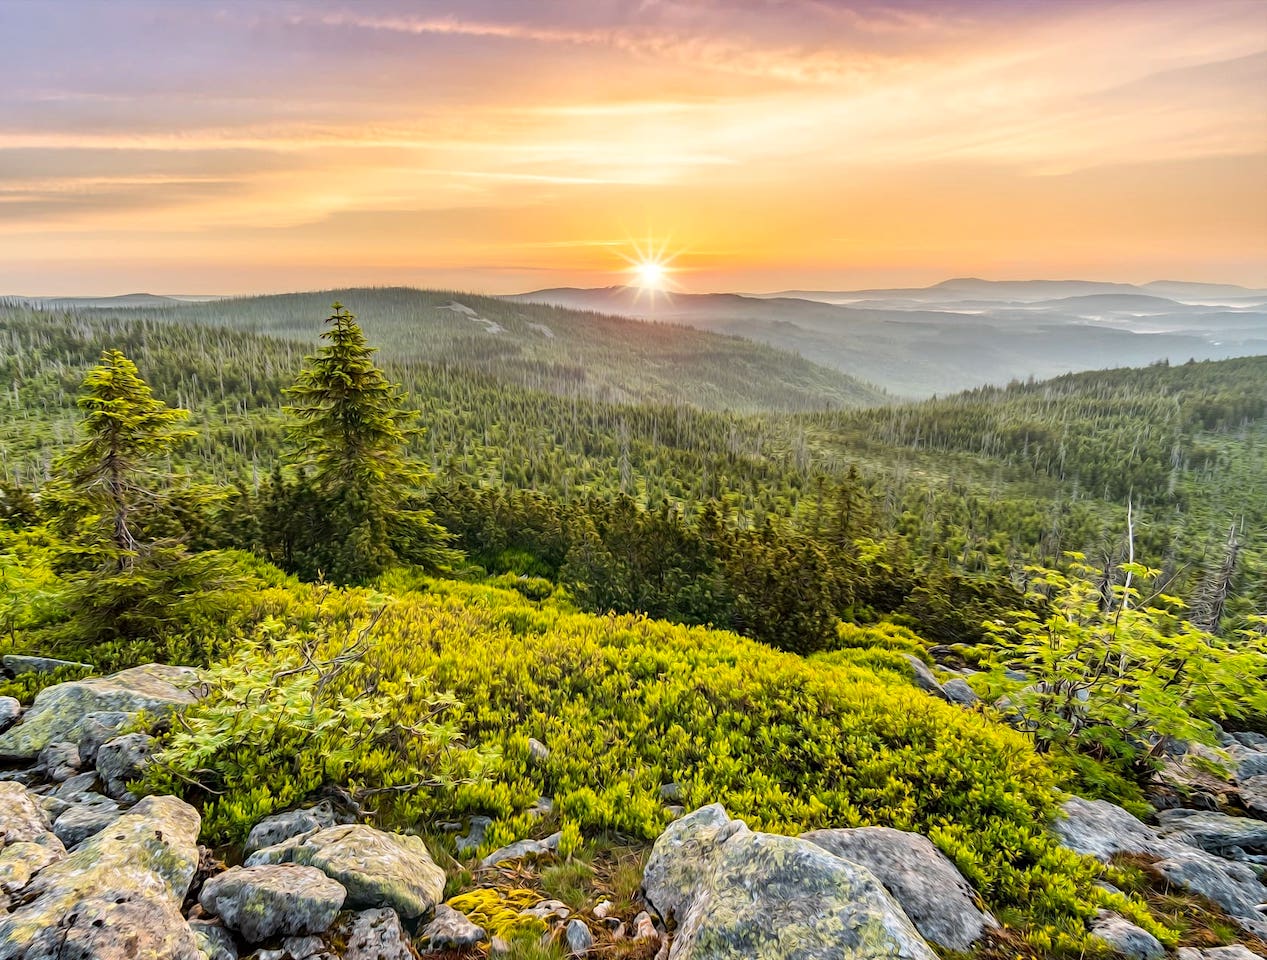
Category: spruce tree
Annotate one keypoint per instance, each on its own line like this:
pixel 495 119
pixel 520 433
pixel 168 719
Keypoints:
pixel 350 435
pixel 117 468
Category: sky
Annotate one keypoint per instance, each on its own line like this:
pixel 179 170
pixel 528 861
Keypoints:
pixel 207 147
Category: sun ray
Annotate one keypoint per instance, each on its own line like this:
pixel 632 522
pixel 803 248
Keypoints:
pixel 650 269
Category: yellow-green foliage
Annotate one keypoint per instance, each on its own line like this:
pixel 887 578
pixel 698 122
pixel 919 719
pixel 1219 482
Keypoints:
pixel 626 704
pixel 499 911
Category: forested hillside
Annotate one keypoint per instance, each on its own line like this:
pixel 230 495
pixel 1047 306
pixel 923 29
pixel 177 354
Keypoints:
pixel 567 352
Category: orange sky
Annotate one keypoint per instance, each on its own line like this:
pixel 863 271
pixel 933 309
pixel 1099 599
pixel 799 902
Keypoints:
pixel 502 146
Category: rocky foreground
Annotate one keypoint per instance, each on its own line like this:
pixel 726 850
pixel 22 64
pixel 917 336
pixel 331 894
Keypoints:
pixel 89 871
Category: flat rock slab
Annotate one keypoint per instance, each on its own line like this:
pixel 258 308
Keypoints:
pixel 59 712
pixel 21 817
pixel 931 890
pixel 738 894
pixel 276 900
pixel 1214 832
pixel 378 869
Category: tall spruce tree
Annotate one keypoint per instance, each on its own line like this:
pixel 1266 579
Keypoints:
pixel 350 435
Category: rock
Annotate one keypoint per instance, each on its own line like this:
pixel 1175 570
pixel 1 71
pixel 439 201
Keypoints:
pixel 644 927
pixel 579 938
pixel 301 948
pixel 1254 794
pixel 1128 940
pixel 116 897
pixel 21 818
pixel 930 889
pixel 450 929
pixel 924 678
pixel 958 691
pixel 60 761
pixel 96 729
pixel 1214 832
pixel 547 909
pixel 20 861
pixel 378 869
pixel 282 826
pixel 16 663
pixel 735 893
pixel 523 848
pixel 10 710
pixel 83 820
pixel 1249 762
pixel 1100 829
pixel 266 901
pixel 1217 953
pixel 603 909
pixel 75 787
pixel 1255 741
pixel 374 935
pixel 670 792
pixel 474 836
pixel 213 940
pixel 538 751
pixel 59 711
pixel 124 759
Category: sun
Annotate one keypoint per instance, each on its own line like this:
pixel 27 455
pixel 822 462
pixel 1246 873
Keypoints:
pixel 651 275
pixel 650 268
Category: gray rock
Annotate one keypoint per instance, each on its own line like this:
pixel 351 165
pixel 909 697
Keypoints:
pixel 16 663
pixel 59 711
pixel 274 900
pixel 547 910
pixel 301 948
pixel 1255 741
pixel 1100 829
pixel 1128 940
pixel 930 889
pixel 475 835
pixel 670 792
pixel 644 927
pixel 83 820
pixel 374 935
pixel 958 691
pixel 378 869
pixel 282 826
pixel 1248 762
pixel 1214 832
pixel 450 929
pixel 10 710
pixel 124 759
pixel 579 938
pixel 60 761
pixel 924 678
pixel 213 940
pixel 21 817
pixel 116 897
pixel 1254 795
pixel 735 893
pixel 538 751
pixel 96 729
pixel 1217 953
pixel 523 848
pixel 74 787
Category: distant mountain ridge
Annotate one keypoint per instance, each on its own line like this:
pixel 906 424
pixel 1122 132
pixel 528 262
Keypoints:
pixel 962 333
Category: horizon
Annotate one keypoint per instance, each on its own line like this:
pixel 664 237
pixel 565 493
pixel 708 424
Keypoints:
pixel 724 146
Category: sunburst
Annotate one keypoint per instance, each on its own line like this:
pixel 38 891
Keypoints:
pixel 650 268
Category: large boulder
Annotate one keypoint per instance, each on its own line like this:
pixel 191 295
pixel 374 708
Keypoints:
pixel 378 869
pixel 931 890
pixel 20 861
pixel 88 816
pixel 737 894
pixel 374 935
pixel 117 896
pixel 60 711
pixel 10 710
pixel 265 901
